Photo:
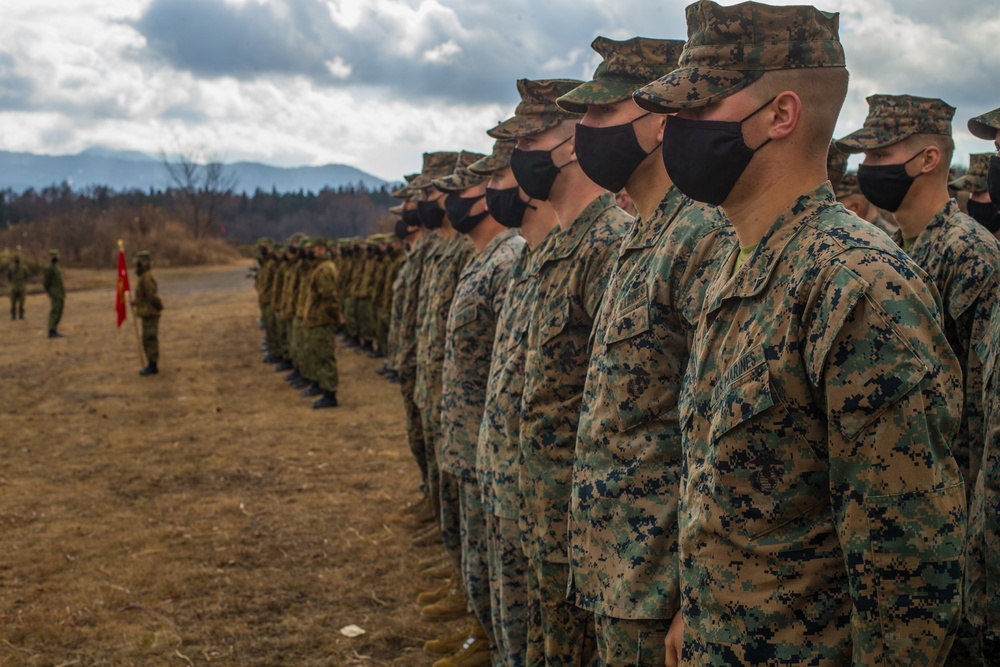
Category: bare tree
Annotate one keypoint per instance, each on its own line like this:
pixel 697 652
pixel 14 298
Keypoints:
pixel 203 187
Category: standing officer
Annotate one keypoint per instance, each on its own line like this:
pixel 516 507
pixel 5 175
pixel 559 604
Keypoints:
pixel 148 307
pixel 822 515
pixel 53 283
pixel 17 275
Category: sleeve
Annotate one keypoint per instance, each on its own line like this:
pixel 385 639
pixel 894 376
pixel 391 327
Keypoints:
pixel 891 389
pixel 599 273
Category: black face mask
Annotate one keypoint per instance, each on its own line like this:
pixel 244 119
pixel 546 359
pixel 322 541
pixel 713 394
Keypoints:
pixel 886 185
pixel 401 229
pixel 985 213
pixel 412 218
pixel 535 171
pixel 506 206
pixel 459 212
pixel 609 155
pixel 706 158
pixel 993 180
pixel 430 214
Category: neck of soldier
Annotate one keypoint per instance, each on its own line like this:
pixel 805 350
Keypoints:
pixel 572 193
pixel 922 203
pixel 649 184
pixel 770 190
pixel 537 223
pixel 487 230
pixel 446 230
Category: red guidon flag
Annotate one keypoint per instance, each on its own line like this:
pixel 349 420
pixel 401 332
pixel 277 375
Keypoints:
pixel 122 287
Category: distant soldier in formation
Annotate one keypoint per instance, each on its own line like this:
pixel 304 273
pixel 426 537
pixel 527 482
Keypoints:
pixel 52 282
pixel 148 307
pixel 17 276
pixel 321 320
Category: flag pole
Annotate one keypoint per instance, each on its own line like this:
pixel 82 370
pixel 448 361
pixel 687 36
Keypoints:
pixel 135 323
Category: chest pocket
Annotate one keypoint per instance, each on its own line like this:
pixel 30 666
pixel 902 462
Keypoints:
pixel 766 474
pixel 464 317
pixel 554 321
pixel 630 357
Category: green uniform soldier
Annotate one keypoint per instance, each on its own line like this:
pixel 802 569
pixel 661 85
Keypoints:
pixel 498 451
pixel 17 276
pixel 623 529
pixel 148 307
pixel 53 283
pixel 571 282
pixel 983 581
pixel 908 149
pixel 822 516
pixel 469 335
pixel 979 206
pixel 320 321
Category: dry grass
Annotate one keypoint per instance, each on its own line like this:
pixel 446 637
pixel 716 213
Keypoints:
pixel 205 516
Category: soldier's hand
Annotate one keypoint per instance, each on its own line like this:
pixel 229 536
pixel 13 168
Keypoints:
pixel 674 641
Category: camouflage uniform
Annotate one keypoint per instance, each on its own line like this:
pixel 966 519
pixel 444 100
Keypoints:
pixel 299 343
pixel 320 321
pixel 17 275
pixel 383 298
pixel 52 282
pixel 822 516
pixel 282 278
pixel 265 288
pixel 975 178
pixel 963 260
pixel 147 307
pixel 498 457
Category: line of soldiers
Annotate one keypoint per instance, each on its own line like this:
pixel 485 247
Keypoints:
pixel 757 424
pixel 310 289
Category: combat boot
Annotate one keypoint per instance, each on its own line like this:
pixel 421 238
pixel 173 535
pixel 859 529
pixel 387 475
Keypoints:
pixel 449 608
pixel 449 645
pixel 293 376
pixel 427 598
pixel 378 371
pixel 329 400
pixel 376 354
pixel 55 334
pixel 301 383
pixel 474 653
pixel 312 391
pixel 270 358
pixel 283 365
pixel 151 369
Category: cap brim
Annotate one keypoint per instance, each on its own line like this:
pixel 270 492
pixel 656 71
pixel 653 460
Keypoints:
pixel 458 182
pixel 692 87
pixel 424 181
pixel 969 184
pixel 526 126
pixel 867 139
pixel 397 210
pixel 401 193
pixel 596 92
pixel 981 130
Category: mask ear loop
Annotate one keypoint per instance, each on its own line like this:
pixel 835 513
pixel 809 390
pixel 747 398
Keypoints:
pixel 553 150
pixel 754 113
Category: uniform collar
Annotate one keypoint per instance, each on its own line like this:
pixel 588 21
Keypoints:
pixel 491 247
pixel 567 242
pixel 937 224
pixel 646 233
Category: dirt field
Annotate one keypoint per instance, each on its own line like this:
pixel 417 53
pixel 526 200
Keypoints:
pixel 205 516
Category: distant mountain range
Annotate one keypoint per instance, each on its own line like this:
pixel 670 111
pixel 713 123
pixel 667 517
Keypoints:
pixel 129 170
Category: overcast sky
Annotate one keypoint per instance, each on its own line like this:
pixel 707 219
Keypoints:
pixel 375 83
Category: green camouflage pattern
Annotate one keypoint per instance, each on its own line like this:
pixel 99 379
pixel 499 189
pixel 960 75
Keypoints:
pixel 151 339
pixel 983 579
pixel 470 330
pixel 146 297
pixel 848 185
pixel 623 522
pixel 538 110
pixel 728 48
pixel 475 555
pixel 570 286
pixel 508 572
pixel 436 165
pixel 559 633
pixel 985 126
pixel 625 67
pixel 498 455
pixel 495 161
pixel 892 118
pixel 631 643
pixel 974 180
pixel 836 165
pixel 17 277
pixel 822 516
pixel 405 191
pixel 461 178
pixel 52 282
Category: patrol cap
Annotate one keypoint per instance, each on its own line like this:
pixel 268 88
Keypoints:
pixel 985 126
pixel 53 253
pixel 461 178
pixel 397 209
pixel 893 118
pixel 848 185
pixel 436 165
pixel 405 191
pixel 142 254
pixel 728 48
pixel 974 179
pixel 626 66
pixel 538 110
pixel 265 241
pixel 497 160
pixel 836 161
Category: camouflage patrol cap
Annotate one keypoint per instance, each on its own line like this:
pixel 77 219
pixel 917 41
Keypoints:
pixel 985 126
pixel 893 118
pixel 974 179
pixel 436 165
pixel 728 48
pixel 497 160
pixel 538 110
pixel 848 185
pixel 836 160
pixel 265 241
pixel 461 178
pixel 142 254
pixel 397 209
pixel 53 253
pixel 405 191
pixel 627 66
